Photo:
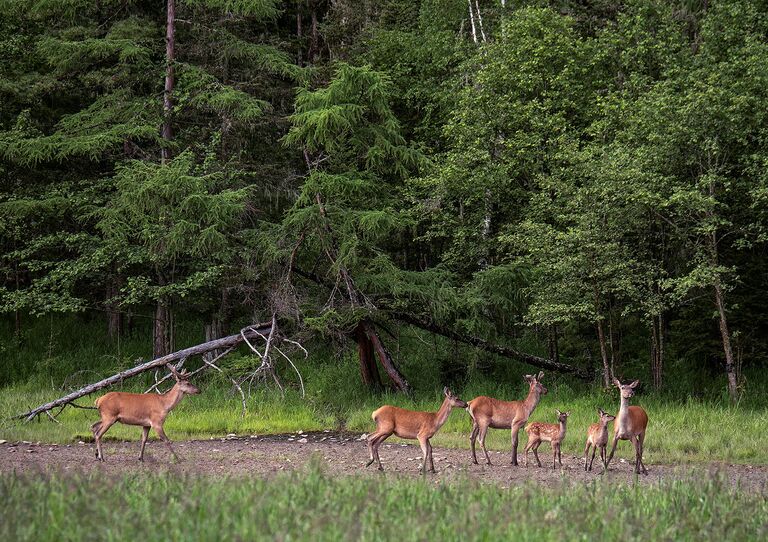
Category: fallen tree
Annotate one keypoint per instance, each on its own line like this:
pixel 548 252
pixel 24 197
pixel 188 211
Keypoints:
pixel 501 350
pixel 226 344
pixel 477 342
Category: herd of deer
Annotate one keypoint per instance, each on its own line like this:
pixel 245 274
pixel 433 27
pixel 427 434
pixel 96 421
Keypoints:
pixel 150 411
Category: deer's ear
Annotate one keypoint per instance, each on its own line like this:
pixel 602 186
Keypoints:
pixel 527 378
pixel 446 391
pixel 600 411
pixel 540 375
pixel 567 413
pixel 634 384
pixel 558 412
pixel 616 382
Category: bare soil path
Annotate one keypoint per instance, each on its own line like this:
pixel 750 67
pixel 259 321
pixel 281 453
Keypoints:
pixel 340 454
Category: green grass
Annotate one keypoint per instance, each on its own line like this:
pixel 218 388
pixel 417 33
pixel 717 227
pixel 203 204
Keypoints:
pixel 681 429
pixel 312 506
pixel 688 431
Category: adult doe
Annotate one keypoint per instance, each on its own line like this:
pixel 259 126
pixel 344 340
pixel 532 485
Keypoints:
pixel 144 409
pixel 411 424
pixel 630 424
pixel 597 437
pixel 489 412
pixel 554 433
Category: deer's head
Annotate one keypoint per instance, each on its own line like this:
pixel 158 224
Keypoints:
pixel 182 381
pixel 605 418
pixel 626 390
pixel 562 417
pixel 453 400
pixel 534 381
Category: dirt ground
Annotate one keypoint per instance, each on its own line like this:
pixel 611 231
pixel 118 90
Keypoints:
pixel 340 454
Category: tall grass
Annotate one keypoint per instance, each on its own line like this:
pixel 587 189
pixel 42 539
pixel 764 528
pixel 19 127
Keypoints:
pixel 312 506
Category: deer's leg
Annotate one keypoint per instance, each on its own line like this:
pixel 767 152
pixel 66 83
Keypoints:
pixel 613 449
pixel 515 430
pixel 431 459
pixel 424 443
pixel 602 456
pixel 641 440
pixel 371 438
pixel 160 433
pixel 94 429
pixel 527 449
pixel 586 455
pixel 636 443
pixel 554 456
pixel 104 426
pixel 483 432
pixel 559 455
pixel 472 439
pixel 144 436
pixel 536 451
pixel 381 438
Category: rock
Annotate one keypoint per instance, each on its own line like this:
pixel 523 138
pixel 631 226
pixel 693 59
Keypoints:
pixel 302 441
pixel 364 436
pixel 291 439
pixel 254 436
pixel 30 451
pixel 301 431
pixel 81 443
pixel 25 442
pixel 231 435
pixel 326 431
pixel 3 441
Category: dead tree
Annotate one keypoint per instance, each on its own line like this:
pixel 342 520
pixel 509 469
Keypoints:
pixel 249 335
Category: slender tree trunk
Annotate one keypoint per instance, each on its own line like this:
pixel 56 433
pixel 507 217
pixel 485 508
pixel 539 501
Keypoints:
pixel 114 316
pixel 163 324
pixel 167 132
pixel 730 366
pixel 553 347
pixel 385 358
pixel 607 376
pixel 314 41
pixel 299 36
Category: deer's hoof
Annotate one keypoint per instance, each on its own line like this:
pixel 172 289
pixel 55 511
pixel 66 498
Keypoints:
pixel 369 463
pixel 380 468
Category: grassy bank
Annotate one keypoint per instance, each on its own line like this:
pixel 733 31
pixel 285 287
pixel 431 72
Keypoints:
pixel 65 355
pixel 688 431
pixel 313 506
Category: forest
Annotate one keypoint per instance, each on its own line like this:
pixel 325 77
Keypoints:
pixel 575 182
pixel 410 194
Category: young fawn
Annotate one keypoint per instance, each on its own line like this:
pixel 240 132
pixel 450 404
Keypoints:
pixel 630 424
pixel 553 433
pixel 411 424
pixel 144 409
pixel 489 412
pixel 597 437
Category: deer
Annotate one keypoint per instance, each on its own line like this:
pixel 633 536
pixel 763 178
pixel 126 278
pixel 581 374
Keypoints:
pixel 489 412
pixel 411 424
pixel 554 433
pixel 143 409
pixel 630 424
pixel 597 437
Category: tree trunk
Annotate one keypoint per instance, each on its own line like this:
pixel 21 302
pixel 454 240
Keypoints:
pixel 299 36
pixel 161 337
pixel 607 376
pixel 385 358
pixel 314 42
pixel 214 330
pixel 114 315
pixel 552 344
pixel 657 350
pixel 167 132
pixel 730 366
pixel 368 370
